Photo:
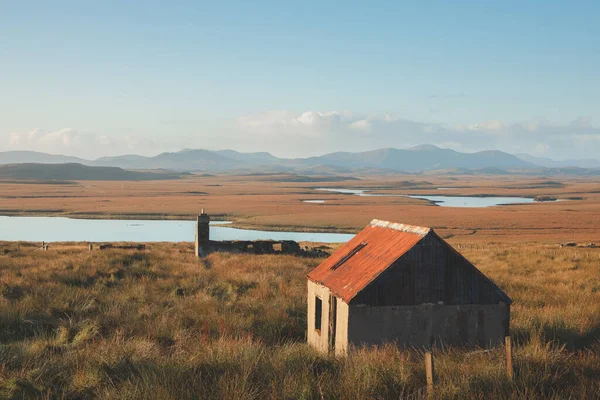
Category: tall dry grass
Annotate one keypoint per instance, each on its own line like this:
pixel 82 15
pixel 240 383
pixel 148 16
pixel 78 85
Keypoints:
pixel 161 325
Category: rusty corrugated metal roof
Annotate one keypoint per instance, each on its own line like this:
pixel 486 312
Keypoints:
pixel 379 245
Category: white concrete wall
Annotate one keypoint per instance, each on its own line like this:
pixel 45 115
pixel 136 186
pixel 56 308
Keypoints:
pixel 341 334
pixel 318 340
pixel 422 325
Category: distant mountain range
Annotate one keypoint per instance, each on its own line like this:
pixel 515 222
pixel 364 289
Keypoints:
pixel 549 163
pixel 78 172
pixel 18 157
pixel 420 159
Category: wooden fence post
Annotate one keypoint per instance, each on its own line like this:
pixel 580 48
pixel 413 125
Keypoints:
pixel 429 372
pixel 509 360
pixel 91 246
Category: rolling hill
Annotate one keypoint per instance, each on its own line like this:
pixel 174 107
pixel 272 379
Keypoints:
pixel 14 157
pixel 549 163
pixel 420 158
pixel 78 172
pixel 184 160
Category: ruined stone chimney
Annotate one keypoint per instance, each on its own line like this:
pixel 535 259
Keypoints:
pixel 202 234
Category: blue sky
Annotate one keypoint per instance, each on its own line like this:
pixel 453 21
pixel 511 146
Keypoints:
pixel 97 78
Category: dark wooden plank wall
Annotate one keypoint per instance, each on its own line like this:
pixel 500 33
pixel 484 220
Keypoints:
pixel 429 273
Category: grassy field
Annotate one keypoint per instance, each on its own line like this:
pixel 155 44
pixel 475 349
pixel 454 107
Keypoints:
pixel 159 324
pixel 271 202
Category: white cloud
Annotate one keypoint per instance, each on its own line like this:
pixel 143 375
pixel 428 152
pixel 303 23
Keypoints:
pixel 346 131
pixel 492 125
pixel 54 141
pixel 308 123
pixel 80 143
pixel 541 149
pixel 361 125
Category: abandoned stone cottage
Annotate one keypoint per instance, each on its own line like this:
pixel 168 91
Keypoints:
pixel 404 284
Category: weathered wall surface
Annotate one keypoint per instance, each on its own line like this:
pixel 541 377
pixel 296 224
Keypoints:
pixel 341 336
pixel 257 247
pixel 427 324
pixel 202 234
pixel 318 339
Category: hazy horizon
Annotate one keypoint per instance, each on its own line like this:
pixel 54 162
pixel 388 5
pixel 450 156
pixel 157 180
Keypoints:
pixel 93 80
pixel 519 155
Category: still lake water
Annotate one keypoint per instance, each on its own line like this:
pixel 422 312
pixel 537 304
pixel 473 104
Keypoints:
pixel 58 229
pixel 444 201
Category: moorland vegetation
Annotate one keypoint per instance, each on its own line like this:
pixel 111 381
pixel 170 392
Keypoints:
pixel 160 324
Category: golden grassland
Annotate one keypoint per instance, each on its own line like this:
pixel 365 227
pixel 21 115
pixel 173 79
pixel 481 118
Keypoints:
pixel 268 202
pixel 160 324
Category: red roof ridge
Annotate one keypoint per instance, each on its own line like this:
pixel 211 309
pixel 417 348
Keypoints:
pixel 414 229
